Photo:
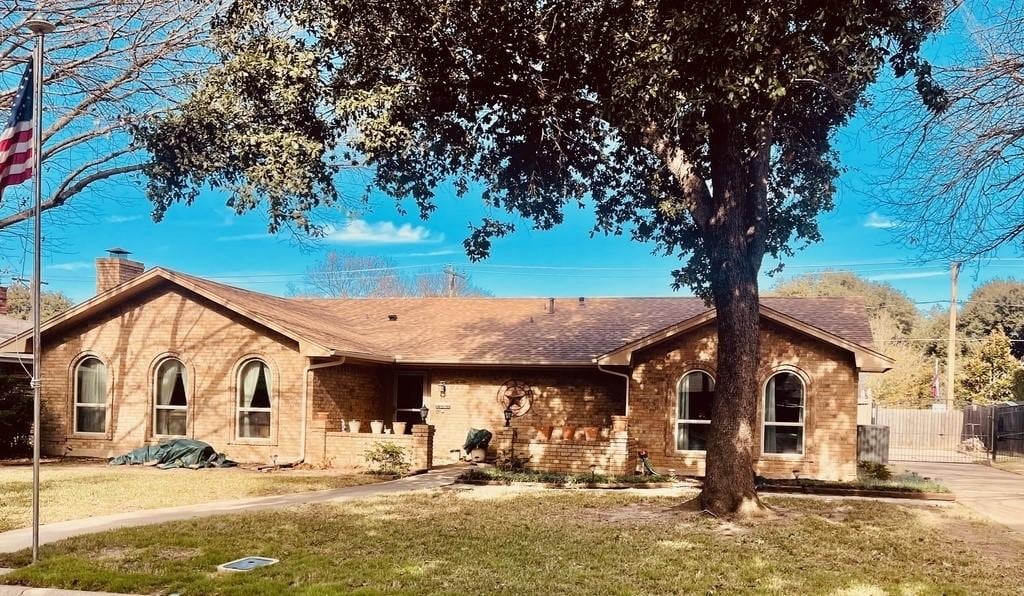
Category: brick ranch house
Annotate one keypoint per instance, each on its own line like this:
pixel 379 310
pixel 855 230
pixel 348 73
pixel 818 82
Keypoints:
pixel 159 354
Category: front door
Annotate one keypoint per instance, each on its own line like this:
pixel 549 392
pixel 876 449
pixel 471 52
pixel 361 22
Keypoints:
pixel 409 392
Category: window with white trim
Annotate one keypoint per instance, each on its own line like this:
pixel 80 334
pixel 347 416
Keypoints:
pixel 784 398
pixel 695 393
pixel 91 396
pixel 170 407
pixel 254 400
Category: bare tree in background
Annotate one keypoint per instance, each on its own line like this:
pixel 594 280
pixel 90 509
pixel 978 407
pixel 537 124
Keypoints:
pixel 958 189
pixel 342 275
pixel 110 64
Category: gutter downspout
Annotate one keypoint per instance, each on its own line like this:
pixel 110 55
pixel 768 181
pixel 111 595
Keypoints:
pixel 618 374
pixel 305 400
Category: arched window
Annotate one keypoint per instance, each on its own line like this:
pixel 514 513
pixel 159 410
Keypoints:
pixel 254 403
pixel 170 408
pixel 91 396
pixel 784 414
pixel 693 419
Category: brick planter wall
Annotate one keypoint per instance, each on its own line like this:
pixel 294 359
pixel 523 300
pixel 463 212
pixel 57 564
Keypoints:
pixel 615 455
pixel 347 450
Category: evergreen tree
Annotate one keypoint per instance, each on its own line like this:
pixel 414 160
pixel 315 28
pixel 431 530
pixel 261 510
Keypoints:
pixel 988 373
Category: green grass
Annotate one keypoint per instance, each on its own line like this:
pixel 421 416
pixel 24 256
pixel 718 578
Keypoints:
pixel 76 490
pixel 510 477
pixel 548 542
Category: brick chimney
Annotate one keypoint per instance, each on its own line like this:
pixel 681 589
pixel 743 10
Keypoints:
pixel 3 300
pixel 116 269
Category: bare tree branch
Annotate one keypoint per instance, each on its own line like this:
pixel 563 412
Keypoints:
pixel 110 64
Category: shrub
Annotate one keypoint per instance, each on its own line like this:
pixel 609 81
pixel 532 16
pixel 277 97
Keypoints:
pixel 15 417
pixel 386 457
pixel 874 471
pixel 508 461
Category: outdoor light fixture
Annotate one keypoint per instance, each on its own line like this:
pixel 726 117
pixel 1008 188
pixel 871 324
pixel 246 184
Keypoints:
pixel 508 416
pixel 424 410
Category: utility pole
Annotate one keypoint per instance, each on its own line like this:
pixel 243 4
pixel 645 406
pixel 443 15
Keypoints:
pixel 451 274
pixel 954 273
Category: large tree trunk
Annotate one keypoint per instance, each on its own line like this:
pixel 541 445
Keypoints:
pixel 729 479
pixel 733 238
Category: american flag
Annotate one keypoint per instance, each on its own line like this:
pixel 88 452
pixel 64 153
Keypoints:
pixel 16 140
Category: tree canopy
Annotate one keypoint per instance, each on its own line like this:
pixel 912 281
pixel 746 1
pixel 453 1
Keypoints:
pixel 704 128
pixel 543 103
pixel 19 302
pixel 880 298
pixel 989 372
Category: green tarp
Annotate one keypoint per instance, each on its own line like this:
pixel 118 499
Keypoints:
pixel 176 453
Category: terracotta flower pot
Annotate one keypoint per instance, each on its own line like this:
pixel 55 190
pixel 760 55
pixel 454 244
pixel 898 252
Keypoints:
pixel 544 432
pixel 354 426
pixel 568 432
pixel 398 427
pixel 619 423
pixel 591 432
pixel 377 427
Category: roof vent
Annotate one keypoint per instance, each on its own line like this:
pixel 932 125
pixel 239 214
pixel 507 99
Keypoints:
pixel 551 306
pixel 583 301
pixel 392 317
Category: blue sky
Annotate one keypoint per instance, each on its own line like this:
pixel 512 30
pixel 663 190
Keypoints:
pixel 208 239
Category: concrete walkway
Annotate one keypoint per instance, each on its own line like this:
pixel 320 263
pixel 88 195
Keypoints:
pixel 994 493
pixel 16 540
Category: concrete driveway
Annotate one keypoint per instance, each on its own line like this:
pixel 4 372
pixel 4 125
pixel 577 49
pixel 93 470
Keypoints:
pixel 994 493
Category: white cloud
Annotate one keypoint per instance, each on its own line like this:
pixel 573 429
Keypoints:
pixel 245 237
pixel 116 219
pixel 359 231
pixel 430 253
pixel 913 275
pixel 72 266
pixel 875 220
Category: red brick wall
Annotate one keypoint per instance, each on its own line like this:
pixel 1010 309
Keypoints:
pixel 211 341
pixel 563 396
pixel 830 434
pixel 351 391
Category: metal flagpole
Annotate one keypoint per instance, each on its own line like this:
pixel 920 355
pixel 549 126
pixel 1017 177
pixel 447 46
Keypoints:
pixel 40 28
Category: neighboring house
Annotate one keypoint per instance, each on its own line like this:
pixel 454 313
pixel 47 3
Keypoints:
pixel 15 364
pixel 159 354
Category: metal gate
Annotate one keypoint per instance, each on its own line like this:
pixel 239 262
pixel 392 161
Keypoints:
pixel 974 434
pixel 937 435
pixel 1009 433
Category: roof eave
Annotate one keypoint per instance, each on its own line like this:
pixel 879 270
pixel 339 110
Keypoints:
pixel 866 359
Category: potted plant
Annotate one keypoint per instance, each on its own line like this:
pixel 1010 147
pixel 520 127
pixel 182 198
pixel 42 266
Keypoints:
pixel 398 427
pixel 591 432
pixel 377 427
pixel 353 426
pixel 568 432
pixel 544 432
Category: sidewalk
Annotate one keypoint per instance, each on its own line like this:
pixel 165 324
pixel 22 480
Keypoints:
pixel 16 540
pixel 994 493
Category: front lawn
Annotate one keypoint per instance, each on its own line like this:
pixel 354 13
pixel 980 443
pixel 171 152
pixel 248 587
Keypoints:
pixel 518 541
pixel 76 490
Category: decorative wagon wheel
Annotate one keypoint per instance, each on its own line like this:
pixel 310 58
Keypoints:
pixel 516 396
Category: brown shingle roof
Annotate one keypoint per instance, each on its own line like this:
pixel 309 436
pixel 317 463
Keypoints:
pixel 471 330
pixel 508 330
